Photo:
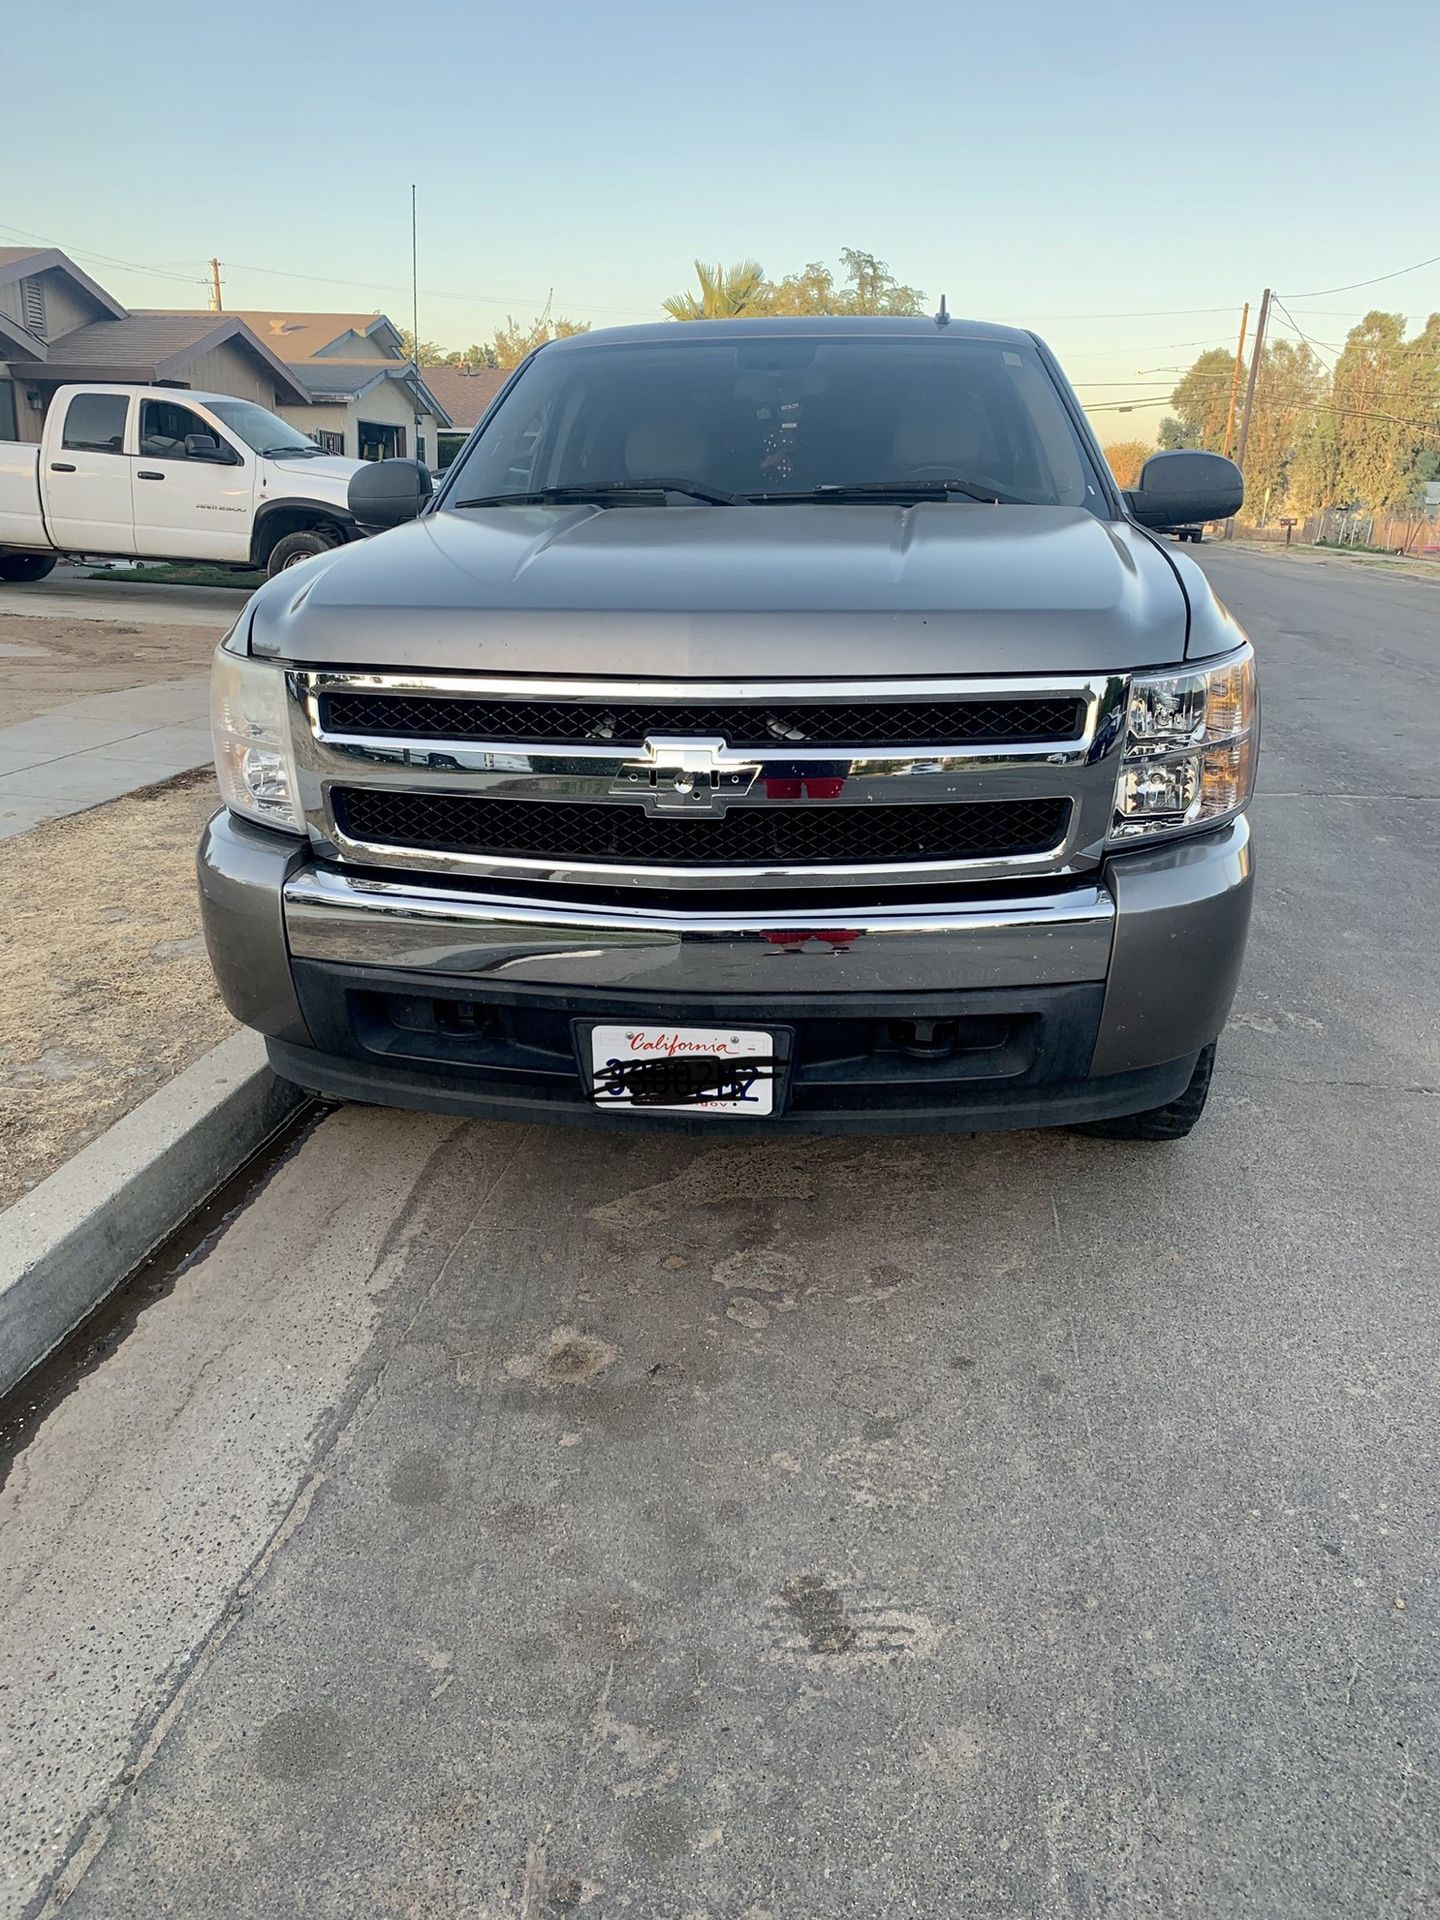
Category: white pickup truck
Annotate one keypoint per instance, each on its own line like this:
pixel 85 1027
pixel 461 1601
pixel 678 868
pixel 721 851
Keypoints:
pixel 168 474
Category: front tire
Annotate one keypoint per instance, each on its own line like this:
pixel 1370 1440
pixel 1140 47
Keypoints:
pixel 293 548
pixel 23 567
pixel 1170 1122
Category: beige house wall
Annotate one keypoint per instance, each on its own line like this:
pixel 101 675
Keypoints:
pixel 354 346
pixel 225 369
pixel 64 309
pixel 388 405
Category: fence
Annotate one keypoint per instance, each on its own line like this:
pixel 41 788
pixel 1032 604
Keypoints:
pixel 1413 533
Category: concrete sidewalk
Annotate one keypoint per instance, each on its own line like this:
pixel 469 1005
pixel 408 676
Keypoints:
pixel 92 750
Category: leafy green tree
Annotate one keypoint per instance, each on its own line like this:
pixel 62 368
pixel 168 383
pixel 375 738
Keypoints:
pixel 1201 402
pixel 1290 386
pixel 724 291
pixel 424 353
pixel 513 341
pixel 868 287
pixel 1376 436
pixel 874 289
pixel 1126 458
pixel 477 355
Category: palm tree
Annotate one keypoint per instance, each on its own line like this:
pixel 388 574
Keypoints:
pixel 723 290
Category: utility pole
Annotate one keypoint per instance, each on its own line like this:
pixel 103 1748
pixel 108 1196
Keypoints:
pixel 1235 383
pixel 414 279
pixel 1250 395
pixel 217 305
pixel 1260 326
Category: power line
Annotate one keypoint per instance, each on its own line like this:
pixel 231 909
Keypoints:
pixel 431 293
pixel 1314 345
pixel 88 253
pixel 1318 293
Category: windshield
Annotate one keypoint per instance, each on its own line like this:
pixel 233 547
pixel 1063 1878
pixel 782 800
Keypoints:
pixel 778 419
pixel 261 430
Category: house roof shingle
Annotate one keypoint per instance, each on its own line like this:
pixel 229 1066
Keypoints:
pixel 149 346
pixel 330 379
pixel 465 393
pixel 301 336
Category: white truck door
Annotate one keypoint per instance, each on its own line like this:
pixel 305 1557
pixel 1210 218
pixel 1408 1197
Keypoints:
pixel 85 475
pixel 193 487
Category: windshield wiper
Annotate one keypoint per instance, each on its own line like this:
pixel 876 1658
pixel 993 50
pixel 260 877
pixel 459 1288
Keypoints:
pixel 883 490
pixel 604 493
pixel 280 453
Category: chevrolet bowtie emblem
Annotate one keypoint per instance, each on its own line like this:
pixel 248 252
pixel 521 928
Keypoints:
pixel 687 776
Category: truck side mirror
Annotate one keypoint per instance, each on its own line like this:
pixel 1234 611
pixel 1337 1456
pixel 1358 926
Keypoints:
pixel 204 446
pixel 387 493
pixel 1182 488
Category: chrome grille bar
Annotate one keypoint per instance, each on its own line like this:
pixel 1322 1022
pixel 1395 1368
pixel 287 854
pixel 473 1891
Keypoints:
pixel 706 778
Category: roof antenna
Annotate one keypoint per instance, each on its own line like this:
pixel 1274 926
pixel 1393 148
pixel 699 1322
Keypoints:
pixel 942 318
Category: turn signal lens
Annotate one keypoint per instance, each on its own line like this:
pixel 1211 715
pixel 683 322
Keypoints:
pixel 1190 745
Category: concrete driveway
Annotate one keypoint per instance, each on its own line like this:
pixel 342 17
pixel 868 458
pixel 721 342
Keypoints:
pixel 68 594
pixel 492 1522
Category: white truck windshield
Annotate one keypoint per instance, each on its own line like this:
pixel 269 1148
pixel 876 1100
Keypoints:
pixel 261 430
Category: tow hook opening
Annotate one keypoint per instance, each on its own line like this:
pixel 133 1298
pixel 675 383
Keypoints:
pixel 942 1039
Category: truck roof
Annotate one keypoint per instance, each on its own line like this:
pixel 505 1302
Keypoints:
pixel 670 332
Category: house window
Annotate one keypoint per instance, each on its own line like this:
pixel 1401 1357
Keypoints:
pixel 9 423
pixel 32 305
pixel 328 442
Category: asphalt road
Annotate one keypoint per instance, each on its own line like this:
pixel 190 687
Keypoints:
pixel 491 1522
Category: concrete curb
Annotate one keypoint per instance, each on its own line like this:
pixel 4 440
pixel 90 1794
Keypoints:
pixel 74 1238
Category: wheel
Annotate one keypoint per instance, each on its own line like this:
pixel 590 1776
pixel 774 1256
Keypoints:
pixel 1197 536
pixel 295 547
pixel 26 566
pixel 1170 1122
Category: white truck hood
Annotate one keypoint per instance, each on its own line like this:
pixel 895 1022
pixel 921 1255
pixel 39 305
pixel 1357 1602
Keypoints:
pixel 322 476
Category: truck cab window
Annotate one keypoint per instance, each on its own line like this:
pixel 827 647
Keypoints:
pixel 164 427
pixel 95 423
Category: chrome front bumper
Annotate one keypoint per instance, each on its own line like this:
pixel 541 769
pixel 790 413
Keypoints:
pixel 1042 941
pixel 1163 929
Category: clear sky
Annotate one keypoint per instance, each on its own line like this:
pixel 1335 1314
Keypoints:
pixel 1088 170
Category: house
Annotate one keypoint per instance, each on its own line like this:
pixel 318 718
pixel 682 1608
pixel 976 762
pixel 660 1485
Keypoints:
pixel 57 325
pixel 465 393
pixel 343 378
pixel 362 396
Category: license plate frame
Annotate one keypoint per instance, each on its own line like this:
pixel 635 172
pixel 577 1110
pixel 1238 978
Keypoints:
pixel 667 1047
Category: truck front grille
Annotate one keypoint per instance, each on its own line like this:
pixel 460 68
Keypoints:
pixel 857 726
pixel 683 789
pixel 786 835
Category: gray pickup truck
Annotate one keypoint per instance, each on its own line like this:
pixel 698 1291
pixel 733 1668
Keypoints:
pixel 781 725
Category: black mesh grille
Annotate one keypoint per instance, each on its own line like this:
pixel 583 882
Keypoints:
pixel 806 836
pixel 862 724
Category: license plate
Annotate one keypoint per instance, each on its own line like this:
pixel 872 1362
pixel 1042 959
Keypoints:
pixel 719 1070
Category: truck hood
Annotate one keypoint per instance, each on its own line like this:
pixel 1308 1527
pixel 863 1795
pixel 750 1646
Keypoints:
pixel 734 592
pixel 322 476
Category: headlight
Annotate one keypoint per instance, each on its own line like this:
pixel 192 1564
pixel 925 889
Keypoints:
pixel 1190 741
pixel 251 730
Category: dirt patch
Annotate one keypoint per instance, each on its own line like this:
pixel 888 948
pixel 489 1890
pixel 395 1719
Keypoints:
pixel 103 976
pixel 46 662
pixel 568 1358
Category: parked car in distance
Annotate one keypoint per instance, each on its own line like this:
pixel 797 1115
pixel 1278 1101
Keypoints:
pixel 126 472
pixel 774 724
